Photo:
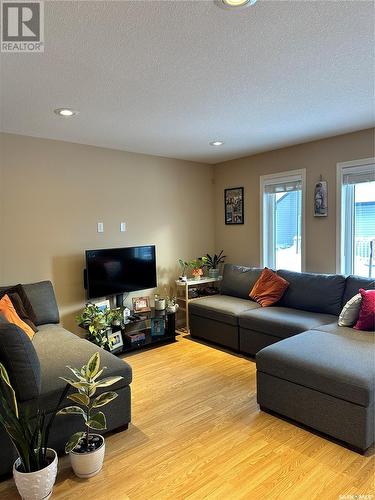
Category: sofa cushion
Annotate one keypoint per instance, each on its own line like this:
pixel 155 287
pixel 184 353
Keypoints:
pixel 353 284
pixel 339 365
pixel 56 348
pixel 43 301
pixel 21 292
pixel 282 322
pixel 335 329
pixel 366 319
pixel 350 311
pixel 18 355
pixel 8 310
pixel 238 280
pixel 222 308
pixel 320 293
pixel 269 288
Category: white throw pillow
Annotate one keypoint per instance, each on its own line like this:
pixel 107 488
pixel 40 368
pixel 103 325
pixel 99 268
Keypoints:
pixel 350 311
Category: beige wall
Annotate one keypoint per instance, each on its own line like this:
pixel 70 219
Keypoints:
pixel 53 193
pixel 241 243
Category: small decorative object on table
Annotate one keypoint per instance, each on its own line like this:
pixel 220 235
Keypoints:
pixel 234 206
pixel 157 327
pixel 172 305
pixel 135 339
pixel 141 304
pixel 86 449
pixel 35 469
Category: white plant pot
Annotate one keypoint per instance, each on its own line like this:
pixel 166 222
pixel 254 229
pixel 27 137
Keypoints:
pixel 159 304
pixel 36 485
pixel 90 463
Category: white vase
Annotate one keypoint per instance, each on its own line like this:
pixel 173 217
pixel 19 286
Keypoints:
pixel 90 463
pixel 36 485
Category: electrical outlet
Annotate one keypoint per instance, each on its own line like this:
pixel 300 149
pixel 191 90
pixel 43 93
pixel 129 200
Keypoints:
pixel 122 227
pixel 100 227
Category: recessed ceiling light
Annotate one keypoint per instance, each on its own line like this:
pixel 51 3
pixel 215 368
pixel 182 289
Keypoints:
pixel 216 143
pixel 65 112
pixel 228 4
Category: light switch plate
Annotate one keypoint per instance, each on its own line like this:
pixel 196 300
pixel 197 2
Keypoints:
pixel 122 227
pixel 100 226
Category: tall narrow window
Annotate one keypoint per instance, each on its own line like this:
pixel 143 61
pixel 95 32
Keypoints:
pixel 282 198
pixel 356 209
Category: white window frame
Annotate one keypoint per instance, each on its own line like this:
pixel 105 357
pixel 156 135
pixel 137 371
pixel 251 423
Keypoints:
pixel 264 179
pixel 340 167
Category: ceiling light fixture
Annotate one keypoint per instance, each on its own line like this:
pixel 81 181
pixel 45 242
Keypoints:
pixel 66 112
pixel 216 143
pixel 229 4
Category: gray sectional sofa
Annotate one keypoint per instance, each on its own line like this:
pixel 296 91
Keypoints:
pixel 308 368
pixel 37 366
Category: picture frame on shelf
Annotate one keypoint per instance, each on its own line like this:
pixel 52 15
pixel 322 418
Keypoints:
pixel 115 341
pixel 157 327
pixel 141 304
pixel 103 305
pixel 234 206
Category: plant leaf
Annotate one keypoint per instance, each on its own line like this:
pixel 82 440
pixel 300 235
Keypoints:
pixel 77 373
pixel 79 398
pixel 97 422
pixel 72 410
pixel 104 399
pixel 105 382
pixel 93 365
pixel 73 441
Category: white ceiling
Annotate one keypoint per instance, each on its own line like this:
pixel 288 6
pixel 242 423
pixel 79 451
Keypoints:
pixel 167 77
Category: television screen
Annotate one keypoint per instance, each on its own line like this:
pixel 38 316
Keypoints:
pixel 114 271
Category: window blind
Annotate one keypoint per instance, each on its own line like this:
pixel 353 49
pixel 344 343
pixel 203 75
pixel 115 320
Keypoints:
pixel 283 187
pixel 359 175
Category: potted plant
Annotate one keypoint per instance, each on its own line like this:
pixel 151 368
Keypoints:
pixel 35 469
pixel 213 262
pixel 184 266
pixel 97 322
pixel 86 449
pixel 197 266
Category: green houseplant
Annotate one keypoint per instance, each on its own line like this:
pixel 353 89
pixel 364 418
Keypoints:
pixel 35 469
pixel 213 262
pixel 96 322
pixel 86 449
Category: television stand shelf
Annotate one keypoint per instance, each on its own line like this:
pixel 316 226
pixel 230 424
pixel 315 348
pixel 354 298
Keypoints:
pixel 153 329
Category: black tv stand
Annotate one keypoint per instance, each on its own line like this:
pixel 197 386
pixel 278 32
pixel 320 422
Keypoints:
pixel 142 323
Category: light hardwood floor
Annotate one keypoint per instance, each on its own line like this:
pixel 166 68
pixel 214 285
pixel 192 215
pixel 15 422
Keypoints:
pixel 197 433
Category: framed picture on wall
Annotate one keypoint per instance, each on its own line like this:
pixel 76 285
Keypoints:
pixel 320 199
pixel 234 206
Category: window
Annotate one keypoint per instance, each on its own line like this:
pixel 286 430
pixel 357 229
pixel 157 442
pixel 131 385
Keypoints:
pixel 356 217
pixel 282 213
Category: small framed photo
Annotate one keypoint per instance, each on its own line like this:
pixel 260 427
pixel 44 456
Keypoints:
pixel 234 205
pixel 157 327
pixel 103 305
pixel 115 341
pixel 320 199
pixel 141 304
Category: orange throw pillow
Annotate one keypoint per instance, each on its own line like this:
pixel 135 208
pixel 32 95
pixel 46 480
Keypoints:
pixel 9 312
pixel 269 288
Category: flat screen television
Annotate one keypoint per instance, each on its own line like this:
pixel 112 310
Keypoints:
pixel 114 271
